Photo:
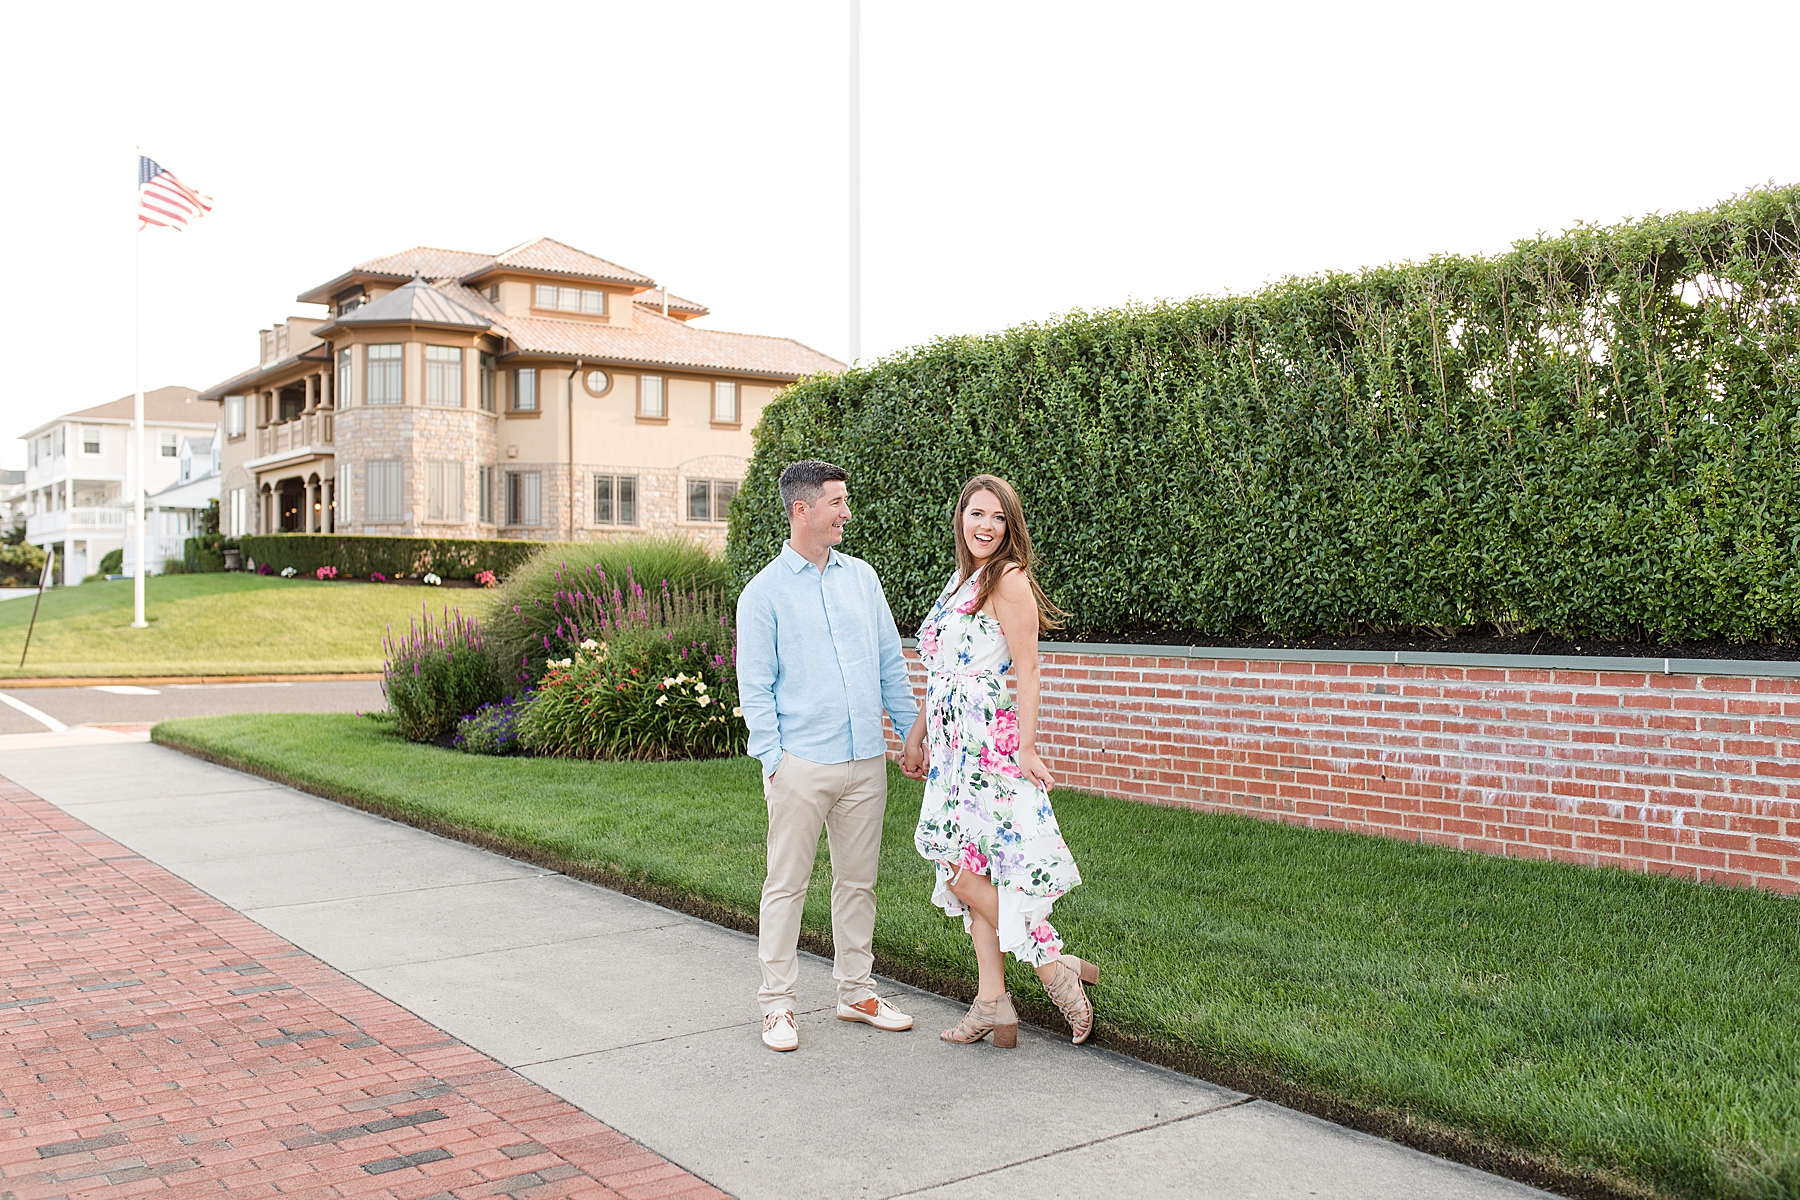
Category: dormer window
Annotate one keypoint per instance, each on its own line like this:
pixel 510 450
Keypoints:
pixel 567 299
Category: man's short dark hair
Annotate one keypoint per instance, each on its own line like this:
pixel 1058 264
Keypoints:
pixel 806 480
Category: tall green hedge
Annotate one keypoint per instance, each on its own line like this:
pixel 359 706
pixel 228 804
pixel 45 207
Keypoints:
pixel 1592 434
pixel 394 557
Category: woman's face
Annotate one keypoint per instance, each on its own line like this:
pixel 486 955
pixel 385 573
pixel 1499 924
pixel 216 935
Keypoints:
pixel 983 525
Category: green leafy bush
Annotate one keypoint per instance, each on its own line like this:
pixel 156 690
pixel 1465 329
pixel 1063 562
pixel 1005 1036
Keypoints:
pixel 648 693
pixel 435 673
pixel 21 564
pixel 394 557
pixel 1592 434
pixel 112 562
pixel 573 591
pixel 203 554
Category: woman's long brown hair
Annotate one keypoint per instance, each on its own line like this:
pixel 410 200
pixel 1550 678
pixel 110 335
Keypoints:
pixel 1014 549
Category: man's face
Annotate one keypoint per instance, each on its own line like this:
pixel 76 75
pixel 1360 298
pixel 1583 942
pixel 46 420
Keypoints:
pixel 823 521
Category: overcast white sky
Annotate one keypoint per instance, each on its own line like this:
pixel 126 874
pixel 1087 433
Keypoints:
pixel 1019 160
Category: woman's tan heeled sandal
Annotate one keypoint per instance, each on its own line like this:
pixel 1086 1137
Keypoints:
pixel 984 1017
pixel 1065 989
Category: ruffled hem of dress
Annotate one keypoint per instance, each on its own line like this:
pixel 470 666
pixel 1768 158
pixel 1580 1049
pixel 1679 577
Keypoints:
pixel 1019 915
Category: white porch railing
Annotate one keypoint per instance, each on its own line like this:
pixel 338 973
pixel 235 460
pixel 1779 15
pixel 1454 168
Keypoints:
pixel 74 520
pixel 160 550
pixel 296 433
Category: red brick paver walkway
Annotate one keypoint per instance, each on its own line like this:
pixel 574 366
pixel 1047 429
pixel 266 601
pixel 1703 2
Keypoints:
pixel 153 1040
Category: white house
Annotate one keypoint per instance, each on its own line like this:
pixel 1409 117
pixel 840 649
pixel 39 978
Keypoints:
pixel 76 469
pixel 173 515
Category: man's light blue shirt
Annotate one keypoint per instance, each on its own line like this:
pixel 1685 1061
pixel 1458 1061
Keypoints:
pixel 818 658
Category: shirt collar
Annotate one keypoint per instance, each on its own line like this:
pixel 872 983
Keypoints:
pixel 796 562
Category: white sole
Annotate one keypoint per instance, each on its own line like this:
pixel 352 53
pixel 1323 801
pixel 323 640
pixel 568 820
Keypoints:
pixel 873 1025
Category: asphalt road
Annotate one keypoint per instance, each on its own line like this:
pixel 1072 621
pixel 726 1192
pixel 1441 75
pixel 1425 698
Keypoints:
pixel 133 705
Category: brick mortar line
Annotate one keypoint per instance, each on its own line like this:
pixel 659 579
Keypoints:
pixel 207 930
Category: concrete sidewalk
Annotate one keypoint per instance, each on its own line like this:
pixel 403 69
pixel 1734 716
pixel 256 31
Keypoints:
pixel 647 1019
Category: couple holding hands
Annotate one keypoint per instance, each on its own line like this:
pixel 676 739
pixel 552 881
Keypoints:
pixel 818 660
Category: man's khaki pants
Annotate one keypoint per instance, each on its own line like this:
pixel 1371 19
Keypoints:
pixel 849 799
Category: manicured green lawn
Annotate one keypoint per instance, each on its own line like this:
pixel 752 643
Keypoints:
pixel 1636 1029
pixel 211 624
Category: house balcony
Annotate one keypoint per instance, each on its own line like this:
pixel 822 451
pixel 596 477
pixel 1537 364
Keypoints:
pixel 307 431
pixel 74 522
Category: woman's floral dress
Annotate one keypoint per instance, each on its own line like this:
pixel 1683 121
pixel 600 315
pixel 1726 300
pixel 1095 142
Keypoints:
pixel 979 811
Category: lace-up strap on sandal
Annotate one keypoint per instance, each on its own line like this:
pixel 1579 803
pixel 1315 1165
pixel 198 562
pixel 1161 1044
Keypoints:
pixel 1066 990
pixel 984 1017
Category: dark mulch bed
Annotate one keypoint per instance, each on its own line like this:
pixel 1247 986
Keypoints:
pixel 1462 643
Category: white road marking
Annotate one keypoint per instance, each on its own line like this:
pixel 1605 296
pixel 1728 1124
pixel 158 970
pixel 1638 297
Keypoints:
pixel 126 689
pixel 45 719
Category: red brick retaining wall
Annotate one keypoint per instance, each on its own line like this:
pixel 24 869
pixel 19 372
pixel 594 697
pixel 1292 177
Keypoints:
pixel 1695 775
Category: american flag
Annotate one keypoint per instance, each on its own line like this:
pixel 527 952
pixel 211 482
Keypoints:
pixel 165 200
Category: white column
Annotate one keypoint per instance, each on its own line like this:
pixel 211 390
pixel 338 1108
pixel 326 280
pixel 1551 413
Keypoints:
pixel 68 528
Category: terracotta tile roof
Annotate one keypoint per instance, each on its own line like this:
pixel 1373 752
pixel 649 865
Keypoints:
pixel 654 299
pixel 659 341
pixel 431 262
pixel 552 257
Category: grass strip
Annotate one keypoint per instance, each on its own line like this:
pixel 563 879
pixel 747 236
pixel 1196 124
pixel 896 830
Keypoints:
pixel 228 624
pixel 1599 1033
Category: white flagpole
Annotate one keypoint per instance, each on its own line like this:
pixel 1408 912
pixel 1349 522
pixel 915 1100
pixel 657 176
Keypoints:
pixel 855 181
pixel 137 428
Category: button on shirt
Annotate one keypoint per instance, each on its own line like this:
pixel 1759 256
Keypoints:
pixel 818 658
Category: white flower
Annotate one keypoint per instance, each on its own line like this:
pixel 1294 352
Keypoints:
pixel 705 700
pixel 590 644
pixel 737 712
pixel 701 688
pixel 431 578
pixel 288 572
pixel 661 700
pixel 668 683
pixel 682 678
pixel 559 662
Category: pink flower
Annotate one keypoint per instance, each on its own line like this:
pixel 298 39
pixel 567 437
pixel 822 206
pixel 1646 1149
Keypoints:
pixel 990 762
pixel 1043 933
pixel 974 860
pixel 1010 771
pixel 967 606
pixel 928 640
pixel 1005 731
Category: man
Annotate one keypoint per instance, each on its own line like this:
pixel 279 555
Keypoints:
pixel 818 659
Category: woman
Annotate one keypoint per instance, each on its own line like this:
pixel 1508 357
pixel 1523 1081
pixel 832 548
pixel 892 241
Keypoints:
pixel 986 821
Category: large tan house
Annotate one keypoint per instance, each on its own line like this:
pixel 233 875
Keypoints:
pixel 538 393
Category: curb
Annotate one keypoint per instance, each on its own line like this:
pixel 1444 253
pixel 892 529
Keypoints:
pixel 46 681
